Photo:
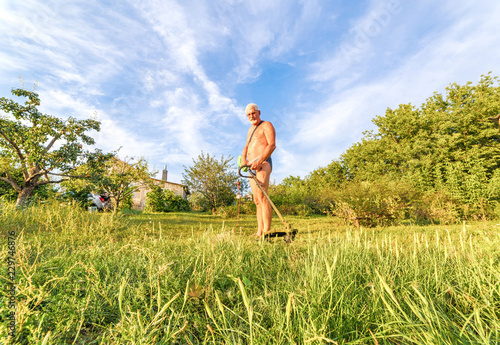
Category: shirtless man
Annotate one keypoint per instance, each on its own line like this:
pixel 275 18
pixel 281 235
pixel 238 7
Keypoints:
pixel 257 153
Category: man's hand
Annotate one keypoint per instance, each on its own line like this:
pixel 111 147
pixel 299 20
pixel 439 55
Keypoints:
pixel 256 165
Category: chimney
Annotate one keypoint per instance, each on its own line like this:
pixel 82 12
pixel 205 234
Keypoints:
pixel 164 175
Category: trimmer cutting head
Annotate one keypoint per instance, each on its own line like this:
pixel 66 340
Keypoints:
pixel 288 235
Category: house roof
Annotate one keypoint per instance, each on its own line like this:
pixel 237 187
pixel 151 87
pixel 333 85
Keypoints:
pixel 163 181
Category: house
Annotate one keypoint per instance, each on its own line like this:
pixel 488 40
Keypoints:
pixel 139 196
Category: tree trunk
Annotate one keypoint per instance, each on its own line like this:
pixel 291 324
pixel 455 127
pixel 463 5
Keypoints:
pixel 23 196
pixel 116 203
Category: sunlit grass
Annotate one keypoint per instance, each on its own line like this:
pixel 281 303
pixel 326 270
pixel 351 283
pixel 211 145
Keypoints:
pixel 193 278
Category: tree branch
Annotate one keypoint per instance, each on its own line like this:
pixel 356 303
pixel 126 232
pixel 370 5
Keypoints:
pixel 11 182
pixel 49 146
pixel 16 148
pixel 39 183
pixel 66 175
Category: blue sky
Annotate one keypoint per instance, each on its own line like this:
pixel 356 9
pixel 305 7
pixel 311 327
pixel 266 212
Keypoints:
pixel 169 79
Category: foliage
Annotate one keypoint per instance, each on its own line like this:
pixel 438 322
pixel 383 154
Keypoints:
pixel 232 211
pixel 437 207
pixel 126 203
pixel 372 203
pixel 446 152
pixel 213 182
pixel 28 145
pixel 155 200
pixel 118 179
pixel 42 192
pixel 445 129
pixel 293 197
pixel 176 203
pixel 312 195
pixel 197 201
pixel 291 191
pixel 77 195
pixel 165 200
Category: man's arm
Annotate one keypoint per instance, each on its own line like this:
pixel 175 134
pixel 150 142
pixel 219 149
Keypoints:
pixel 245 150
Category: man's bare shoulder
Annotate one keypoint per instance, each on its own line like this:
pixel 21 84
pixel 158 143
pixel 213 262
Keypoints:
pixel 267 125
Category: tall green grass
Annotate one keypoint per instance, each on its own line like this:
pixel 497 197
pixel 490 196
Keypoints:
pixel 189 278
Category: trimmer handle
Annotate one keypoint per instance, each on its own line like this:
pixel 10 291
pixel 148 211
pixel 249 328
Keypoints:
pixel 251 174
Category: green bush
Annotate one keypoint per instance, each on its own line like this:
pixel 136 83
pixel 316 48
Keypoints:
pixel 232 210
pixel 160 200
pixel 372 203
pixel 436 207
pixel 300 197
pixel 176 203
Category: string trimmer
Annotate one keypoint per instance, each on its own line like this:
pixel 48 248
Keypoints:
pixel 287 233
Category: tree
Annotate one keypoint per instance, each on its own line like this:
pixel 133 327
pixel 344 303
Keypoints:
pixel 124 178
pixel 447 129
pixel 28 145
pixel 116 178
pixel 446 147
pixel 215 180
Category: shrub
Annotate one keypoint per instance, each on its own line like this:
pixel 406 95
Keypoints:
pixel 296 197
pixel 155 200
pixel 232 210
pixel 175 202
pixel 371 203
pixel 436 207
pixel 160 200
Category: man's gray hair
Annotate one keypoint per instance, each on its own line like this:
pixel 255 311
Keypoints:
pixel 250 106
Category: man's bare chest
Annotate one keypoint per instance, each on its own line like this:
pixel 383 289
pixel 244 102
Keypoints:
pixel 258 139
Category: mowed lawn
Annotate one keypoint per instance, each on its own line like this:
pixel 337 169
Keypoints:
pixel 192 278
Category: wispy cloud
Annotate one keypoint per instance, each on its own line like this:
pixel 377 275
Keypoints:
pixel 357 46
pixel 112 136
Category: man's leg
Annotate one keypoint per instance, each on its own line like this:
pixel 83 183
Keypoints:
pixel 264 209
pixel 256 200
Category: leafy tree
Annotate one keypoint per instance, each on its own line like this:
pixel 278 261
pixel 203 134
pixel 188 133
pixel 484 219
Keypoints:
pixel 28 145
pixel 117 179
pixel 333 175
pixel 215 180
pixel 413 141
